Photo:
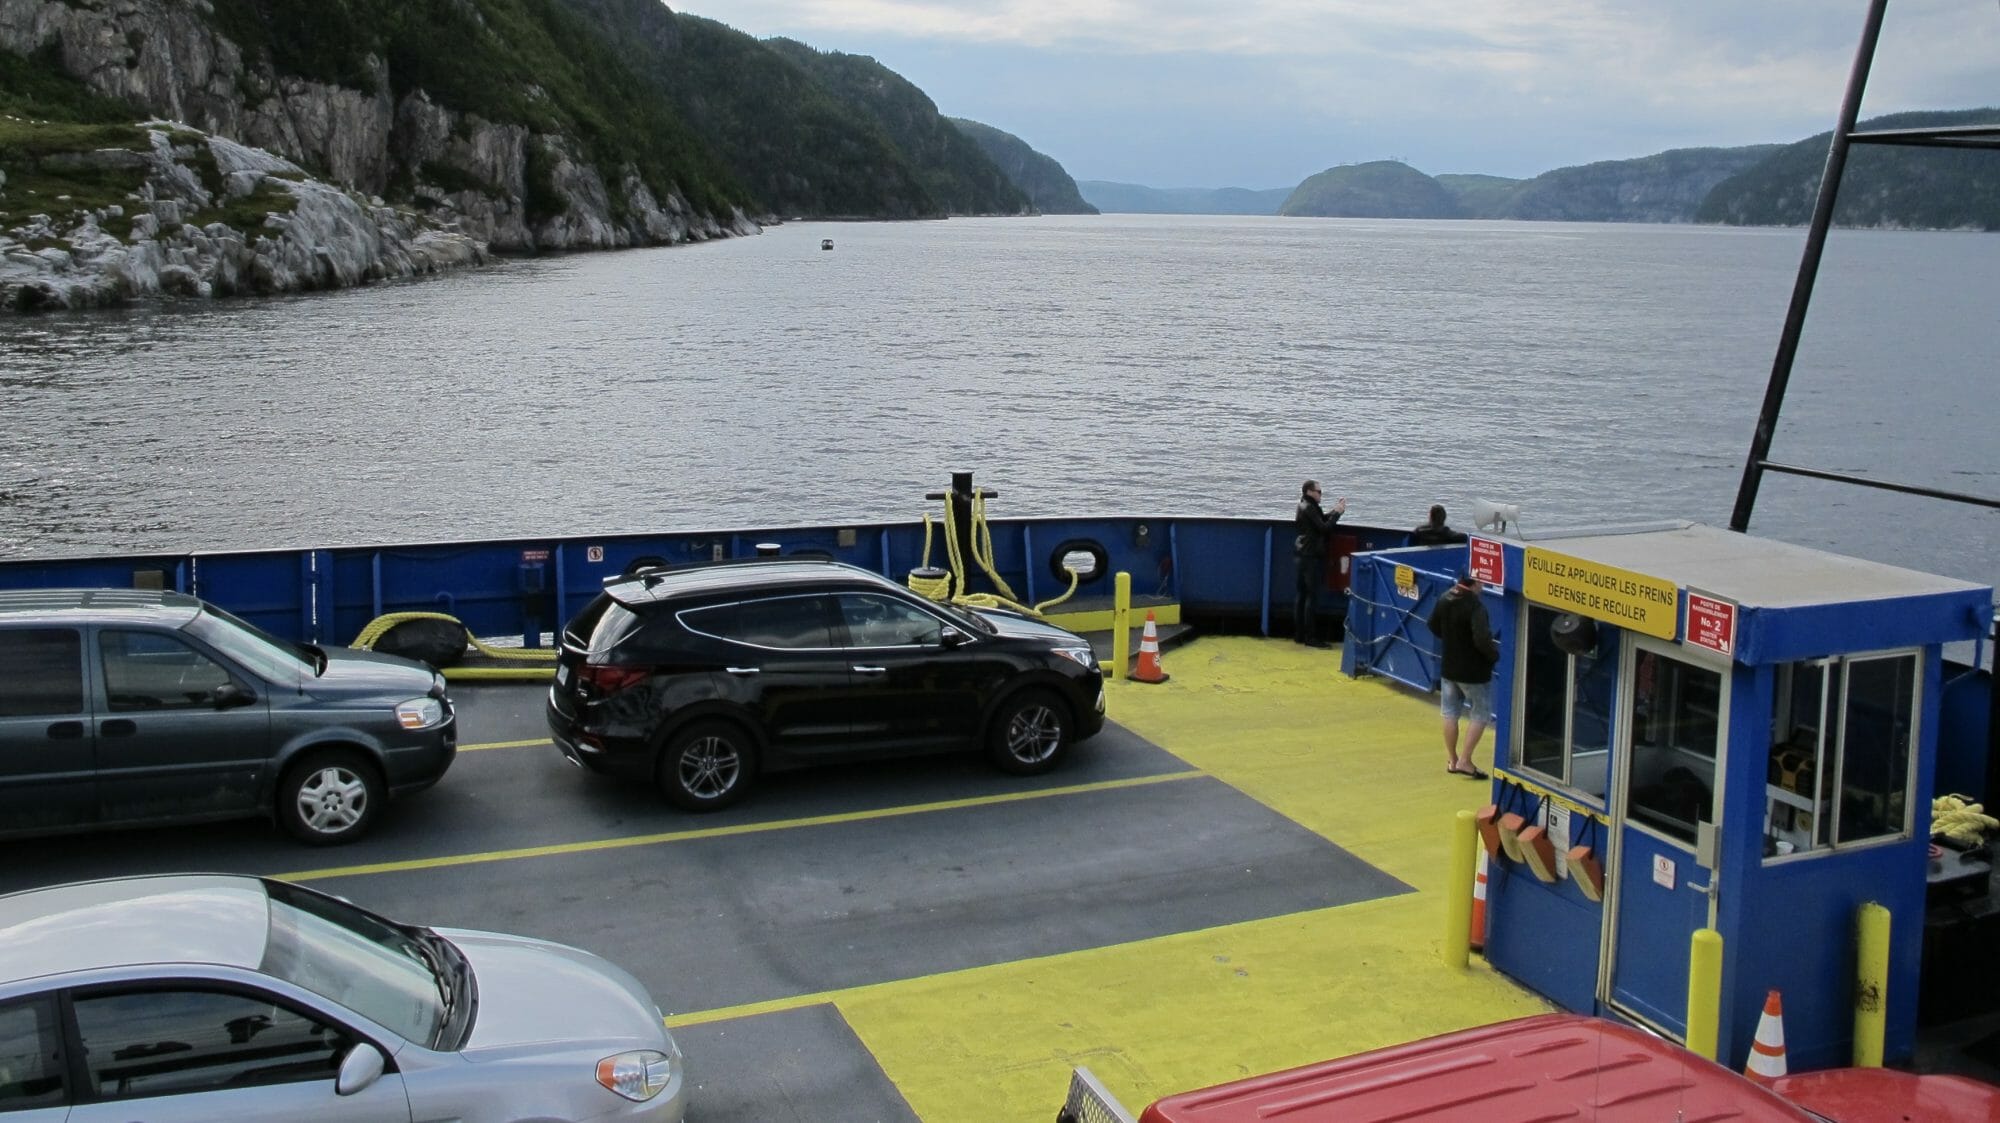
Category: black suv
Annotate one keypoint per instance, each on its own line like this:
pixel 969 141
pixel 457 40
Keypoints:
pixel 123 706
pixel 697 679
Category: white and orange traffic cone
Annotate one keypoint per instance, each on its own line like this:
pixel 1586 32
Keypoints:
pixel 1149 654
pixel 1479 905
pixel 1767 1052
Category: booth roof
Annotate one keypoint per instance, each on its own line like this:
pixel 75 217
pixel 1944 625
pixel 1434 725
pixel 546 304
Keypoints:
pixel 1753 572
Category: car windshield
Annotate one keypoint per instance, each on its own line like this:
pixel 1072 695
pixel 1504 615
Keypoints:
pixel 355 958
pixel 262 652
pixel 966 617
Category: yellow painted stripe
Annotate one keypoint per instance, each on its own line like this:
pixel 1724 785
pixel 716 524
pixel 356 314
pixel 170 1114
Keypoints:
pixel 1358 762
pixel 554 849
pixel 502 745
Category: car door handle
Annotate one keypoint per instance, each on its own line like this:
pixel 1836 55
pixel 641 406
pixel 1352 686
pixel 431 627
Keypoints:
pixel 860 670
pixel 119 727
pixel 66 731
pixel 744 671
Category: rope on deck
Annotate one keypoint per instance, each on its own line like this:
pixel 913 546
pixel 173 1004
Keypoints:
pixel 543 658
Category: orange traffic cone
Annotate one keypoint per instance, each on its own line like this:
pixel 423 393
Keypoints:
pixel 1479 905
pixel 1767 1052
pixel 1149 654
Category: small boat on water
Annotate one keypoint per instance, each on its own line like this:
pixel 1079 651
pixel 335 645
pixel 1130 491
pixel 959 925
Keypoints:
pixel 826 243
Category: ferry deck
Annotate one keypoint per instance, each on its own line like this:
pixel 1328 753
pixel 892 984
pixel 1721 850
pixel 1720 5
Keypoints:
pixel 1245 871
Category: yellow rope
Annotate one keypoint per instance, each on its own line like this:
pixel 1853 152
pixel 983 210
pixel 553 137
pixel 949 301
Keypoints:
pixel 380 626
pixel 939 588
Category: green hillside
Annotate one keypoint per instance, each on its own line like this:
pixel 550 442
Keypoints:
pixel 950 166
pixel 1380 189
pixel 1481 196
pixel 1048 187
pixel 1890 187
pixel 1664 187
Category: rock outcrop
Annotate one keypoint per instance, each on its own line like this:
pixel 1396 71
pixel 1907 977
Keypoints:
pixel 470 181
pixel 312 235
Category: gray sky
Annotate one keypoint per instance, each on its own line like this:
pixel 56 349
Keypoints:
pixel 1262 93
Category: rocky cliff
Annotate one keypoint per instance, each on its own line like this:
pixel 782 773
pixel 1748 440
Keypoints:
pixel 466 182
pixel 206 216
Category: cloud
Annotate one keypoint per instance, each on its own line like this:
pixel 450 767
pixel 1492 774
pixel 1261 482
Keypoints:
pixel 1511 86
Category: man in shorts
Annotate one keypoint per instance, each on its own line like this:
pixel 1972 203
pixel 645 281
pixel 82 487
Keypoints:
pixel 1465 637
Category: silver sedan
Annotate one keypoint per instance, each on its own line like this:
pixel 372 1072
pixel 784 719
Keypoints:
pixel 204 997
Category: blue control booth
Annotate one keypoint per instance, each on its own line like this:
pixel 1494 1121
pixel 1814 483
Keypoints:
pixel 1711 730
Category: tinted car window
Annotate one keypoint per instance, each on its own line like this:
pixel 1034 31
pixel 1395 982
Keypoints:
pixel 602 625
pixel 41 671
pixel 156 671
pixel 162 1042
pixel 30 1056
pixel 783 622
pixel 878 621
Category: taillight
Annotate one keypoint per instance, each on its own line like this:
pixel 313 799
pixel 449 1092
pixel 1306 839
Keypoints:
pixel 606 681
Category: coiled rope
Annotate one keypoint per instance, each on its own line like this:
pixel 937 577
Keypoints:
pixel 529 663
pixel 937 585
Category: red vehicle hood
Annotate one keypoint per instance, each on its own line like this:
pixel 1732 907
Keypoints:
pixel 1880 1095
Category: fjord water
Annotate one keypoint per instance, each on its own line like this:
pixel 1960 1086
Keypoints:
pixel 1160 364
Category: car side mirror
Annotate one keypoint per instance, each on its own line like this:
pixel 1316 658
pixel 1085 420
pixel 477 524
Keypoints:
pixel 230 695
pixel 362 1066
pixel 949 636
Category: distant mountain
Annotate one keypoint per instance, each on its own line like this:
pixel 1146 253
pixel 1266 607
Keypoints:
pixel 949 164
pixel 1665 187
pixel 1890 187
pixel 1379 189
pixel 1481 196
pixel 1046 184
pixel 1131 198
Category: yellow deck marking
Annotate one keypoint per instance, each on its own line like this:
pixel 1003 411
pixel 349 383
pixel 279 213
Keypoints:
pixel 553 849
pixel 1360 763
pixel 503 745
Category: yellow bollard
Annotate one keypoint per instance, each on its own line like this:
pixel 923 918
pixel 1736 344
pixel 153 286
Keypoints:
pixel 1121 624
pixel 1871 983
pixel 1458 892
pixel 1704 991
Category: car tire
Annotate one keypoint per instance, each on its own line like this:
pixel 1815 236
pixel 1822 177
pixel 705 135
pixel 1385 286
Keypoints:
pixel 707 766
pixel 1030 733
pixel 329 797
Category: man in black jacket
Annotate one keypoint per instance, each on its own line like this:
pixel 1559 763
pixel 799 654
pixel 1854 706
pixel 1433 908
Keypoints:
pixel 1309 550
pixel 1436 532
pixel 1469 652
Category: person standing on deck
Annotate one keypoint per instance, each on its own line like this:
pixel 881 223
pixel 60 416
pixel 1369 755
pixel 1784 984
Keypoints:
pixel 1436 532
pixel 1309 551
pixel 1469 652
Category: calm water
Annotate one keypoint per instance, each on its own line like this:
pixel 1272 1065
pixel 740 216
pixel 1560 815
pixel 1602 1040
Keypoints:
pixel 1161 364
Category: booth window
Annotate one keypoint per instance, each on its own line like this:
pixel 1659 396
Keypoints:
pixel 1568 683
pixel 1842 741
pixel 1675 731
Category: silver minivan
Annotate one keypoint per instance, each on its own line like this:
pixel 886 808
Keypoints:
pixel 125 707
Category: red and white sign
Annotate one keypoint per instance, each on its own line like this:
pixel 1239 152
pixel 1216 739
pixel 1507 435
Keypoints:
pixel 593 554
pixel 534 557
pixel 1711 623
pixel 1487 561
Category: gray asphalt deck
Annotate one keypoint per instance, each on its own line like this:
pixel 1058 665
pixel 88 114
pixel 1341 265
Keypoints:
pixel 771 900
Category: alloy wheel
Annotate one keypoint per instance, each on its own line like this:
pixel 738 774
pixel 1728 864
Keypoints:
pixel 1034 734
pixel 332 799
pixel 710 767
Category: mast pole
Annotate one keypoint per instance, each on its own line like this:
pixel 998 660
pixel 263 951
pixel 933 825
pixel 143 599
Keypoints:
pixel 1795 318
